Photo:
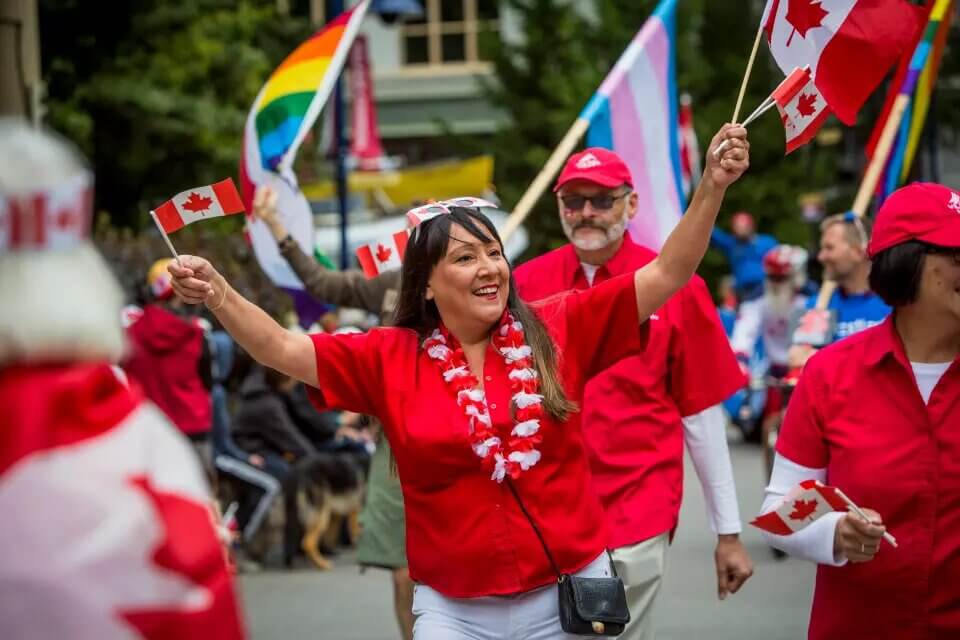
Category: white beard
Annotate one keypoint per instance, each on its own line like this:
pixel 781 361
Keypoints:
pixel 62 305
pixel 779 297
pixel 612 233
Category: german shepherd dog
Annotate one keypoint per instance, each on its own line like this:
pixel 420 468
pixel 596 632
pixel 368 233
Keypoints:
pixel 321 490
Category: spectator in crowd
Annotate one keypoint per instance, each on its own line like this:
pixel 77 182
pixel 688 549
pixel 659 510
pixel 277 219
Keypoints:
pixel 170 360
pixel 744 249
pixel 263 425
pixel 107 530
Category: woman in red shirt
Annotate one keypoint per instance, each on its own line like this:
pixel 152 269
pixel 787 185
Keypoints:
pixel 473 386
pixel 877 415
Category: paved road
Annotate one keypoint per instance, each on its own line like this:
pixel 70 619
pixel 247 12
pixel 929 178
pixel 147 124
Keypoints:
pixel 344 605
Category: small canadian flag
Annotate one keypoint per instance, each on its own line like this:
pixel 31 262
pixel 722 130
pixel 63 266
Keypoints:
pixel 802 108
pixel 377 257
pixel 802 505
pixel 201 203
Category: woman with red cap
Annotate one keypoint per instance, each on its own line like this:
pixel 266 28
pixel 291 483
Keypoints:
pixel 477 395
pixel 877 415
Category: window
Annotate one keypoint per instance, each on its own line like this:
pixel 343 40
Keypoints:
pixel 449 32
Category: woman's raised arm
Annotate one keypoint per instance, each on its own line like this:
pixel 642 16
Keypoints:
pixel 266 341
pixel 686 245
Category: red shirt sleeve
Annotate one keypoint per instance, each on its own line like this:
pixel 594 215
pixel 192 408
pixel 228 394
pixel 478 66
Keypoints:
pixel 598 326
pixel 802 439
pixel 349 371
pixel 704 370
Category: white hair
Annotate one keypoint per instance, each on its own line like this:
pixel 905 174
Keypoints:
pixel 54 305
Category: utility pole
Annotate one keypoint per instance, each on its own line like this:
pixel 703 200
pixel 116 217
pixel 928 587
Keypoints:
pixel 20 85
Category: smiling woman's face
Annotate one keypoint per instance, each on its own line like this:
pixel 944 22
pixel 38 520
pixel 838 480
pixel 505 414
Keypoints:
pixel 471 282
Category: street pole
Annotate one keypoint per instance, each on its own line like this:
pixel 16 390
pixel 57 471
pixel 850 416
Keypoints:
pixel 340 151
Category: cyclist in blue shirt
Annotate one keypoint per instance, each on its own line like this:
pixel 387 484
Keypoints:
pixel 744 250
pixel 843 254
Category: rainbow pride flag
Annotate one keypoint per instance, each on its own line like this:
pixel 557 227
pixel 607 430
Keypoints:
pixel 916 77
pixel 291 99
pixel 635 113
pixel 282 114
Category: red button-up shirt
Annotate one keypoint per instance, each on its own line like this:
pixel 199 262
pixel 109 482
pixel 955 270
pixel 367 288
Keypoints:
pixel 632 411
pixel 466 535
pixel 858 413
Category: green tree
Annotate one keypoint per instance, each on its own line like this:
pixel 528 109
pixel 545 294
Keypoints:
pixel 156 93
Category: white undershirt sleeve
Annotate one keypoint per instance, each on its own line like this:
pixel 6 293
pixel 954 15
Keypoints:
pixel 706 438
pixel 815 541
pixel 746 330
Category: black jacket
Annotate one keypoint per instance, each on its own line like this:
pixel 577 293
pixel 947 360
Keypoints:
pixel 263 424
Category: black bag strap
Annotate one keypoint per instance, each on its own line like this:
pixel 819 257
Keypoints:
pixel 543 543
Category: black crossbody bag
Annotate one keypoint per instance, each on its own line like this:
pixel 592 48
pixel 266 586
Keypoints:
pixel 588 606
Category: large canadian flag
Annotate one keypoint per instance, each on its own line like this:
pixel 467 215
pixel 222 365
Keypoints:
pixel 849 45
pixel 107 530
pixel 802 108
pixel 803 505
pixel 210 201
pixel 377 257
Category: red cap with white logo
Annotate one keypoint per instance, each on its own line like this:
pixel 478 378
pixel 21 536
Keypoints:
pixel 597 165
pixel 922 211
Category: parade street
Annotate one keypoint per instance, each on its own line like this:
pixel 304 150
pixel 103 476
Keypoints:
pixel 773 605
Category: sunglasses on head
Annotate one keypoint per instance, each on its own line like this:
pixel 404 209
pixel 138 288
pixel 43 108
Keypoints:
pixel 432 210
pixel 602 202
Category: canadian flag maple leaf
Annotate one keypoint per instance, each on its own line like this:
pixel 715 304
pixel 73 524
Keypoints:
pixel 197 203
pixel 804 15
pixel 807 104
pixel 383 253
pixel 802 509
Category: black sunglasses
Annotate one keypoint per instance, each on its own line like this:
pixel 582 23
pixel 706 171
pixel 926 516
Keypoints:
pixel 602 202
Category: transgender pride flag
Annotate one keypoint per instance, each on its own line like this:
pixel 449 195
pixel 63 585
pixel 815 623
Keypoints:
pixel 635 113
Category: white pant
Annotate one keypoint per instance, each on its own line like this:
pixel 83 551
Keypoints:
pixel 641 566
pixel 529 616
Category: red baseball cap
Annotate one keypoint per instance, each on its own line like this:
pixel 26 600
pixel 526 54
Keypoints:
pixel 597 165
pixel 922 211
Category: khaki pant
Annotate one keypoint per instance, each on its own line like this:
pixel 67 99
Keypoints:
pixel 641 566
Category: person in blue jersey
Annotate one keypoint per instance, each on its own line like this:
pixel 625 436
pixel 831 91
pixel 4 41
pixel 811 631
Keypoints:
pixel 854 307
pixel 744 249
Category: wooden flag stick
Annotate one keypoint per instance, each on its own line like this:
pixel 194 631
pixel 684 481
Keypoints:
pixel 542 181
pixel 857 510
pixel 166 238
pixel 746 75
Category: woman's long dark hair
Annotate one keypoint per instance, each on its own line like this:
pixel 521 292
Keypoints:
pixel 427 246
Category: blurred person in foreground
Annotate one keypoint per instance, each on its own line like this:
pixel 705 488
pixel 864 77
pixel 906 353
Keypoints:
pixel 878 416
pixel 107 528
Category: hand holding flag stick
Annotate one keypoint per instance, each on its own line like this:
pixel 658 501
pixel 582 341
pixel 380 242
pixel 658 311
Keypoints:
pixel 857 510
pixel 804 504
pixel 785 97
